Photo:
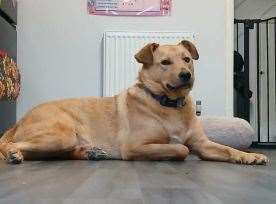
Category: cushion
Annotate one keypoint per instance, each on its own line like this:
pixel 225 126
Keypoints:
pixel 233 132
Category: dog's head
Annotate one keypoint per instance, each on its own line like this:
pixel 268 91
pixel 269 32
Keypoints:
pixel 168 69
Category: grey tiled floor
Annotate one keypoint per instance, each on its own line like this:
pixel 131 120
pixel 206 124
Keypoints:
pixel 104 182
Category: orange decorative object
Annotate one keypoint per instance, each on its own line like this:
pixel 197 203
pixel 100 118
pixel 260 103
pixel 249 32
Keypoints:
pixel 9 78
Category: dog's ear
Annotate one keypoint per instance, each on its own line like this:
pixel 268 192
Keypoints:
pixel 145 55
pixel 191 48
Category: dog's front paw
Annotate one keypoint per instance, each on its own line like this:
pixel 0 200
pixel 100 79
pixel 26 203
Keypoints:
pixel 97 153
pixel 251 158
pixel 14 157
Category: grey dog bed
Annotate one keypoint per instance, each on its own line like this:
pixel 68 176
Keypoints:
pixel 233 132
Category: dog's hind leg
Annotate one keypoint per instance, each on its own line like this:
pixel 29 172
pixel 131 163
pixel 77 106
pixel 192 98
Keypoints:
pixel 40 147
pixel 90 153
pixel 11 153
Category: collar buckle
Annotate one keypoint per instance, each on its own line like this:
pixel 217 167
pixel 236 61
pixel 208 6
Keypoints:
pixel 172 103
pixel 180 102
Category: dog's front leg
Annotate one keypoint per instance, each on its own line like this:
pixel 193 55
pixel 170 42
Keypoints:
pixel 156 152
pixel 199 144
pixel 209 150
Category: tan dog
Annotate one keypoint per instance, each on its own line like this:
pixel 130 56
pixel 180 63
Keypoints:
pixel 153 120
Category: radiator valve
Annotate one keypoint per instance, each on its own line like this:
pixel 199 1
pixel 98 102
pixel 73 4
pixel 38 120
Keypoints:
pixel 198 108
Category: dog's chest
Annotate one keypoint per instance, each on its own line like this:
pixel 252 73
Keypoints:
pixel 176 129
pixel 176 139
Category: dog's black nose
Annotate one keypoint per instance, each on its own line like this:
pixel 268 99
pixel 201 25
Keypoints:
pixel 185 76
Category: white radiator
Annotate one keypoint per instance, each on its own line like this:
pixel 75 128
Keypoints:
pixel 119 67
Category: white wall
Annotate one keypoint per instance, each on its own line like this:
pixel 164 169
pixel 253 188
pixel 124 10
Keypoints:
pixel 59 48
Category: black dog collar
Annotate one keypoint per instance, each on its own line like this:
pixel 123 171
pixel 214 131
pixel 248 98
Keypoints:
pixel 166 101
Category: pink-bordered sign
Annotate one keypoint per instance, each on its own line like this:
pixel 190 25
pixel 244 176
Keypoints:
pixel 129 7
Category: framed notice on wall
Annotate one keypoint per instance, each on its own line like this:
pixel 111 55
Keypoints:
pixel 129 7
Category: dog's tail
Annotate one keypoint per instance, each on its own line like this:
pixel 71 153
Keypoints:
pixel 7 138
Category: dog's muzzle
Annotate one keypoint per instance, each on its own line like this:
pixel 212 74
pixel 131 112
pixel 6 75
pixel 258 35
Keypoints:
pixel 186 85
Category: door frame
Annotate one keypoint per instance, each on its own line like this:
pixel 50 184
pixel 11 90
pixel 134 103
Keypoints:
pixel 229 77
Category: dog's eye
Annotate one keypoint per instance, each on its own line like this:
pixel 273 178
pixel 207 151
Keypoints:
pixel 187 59
pixel 166 62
